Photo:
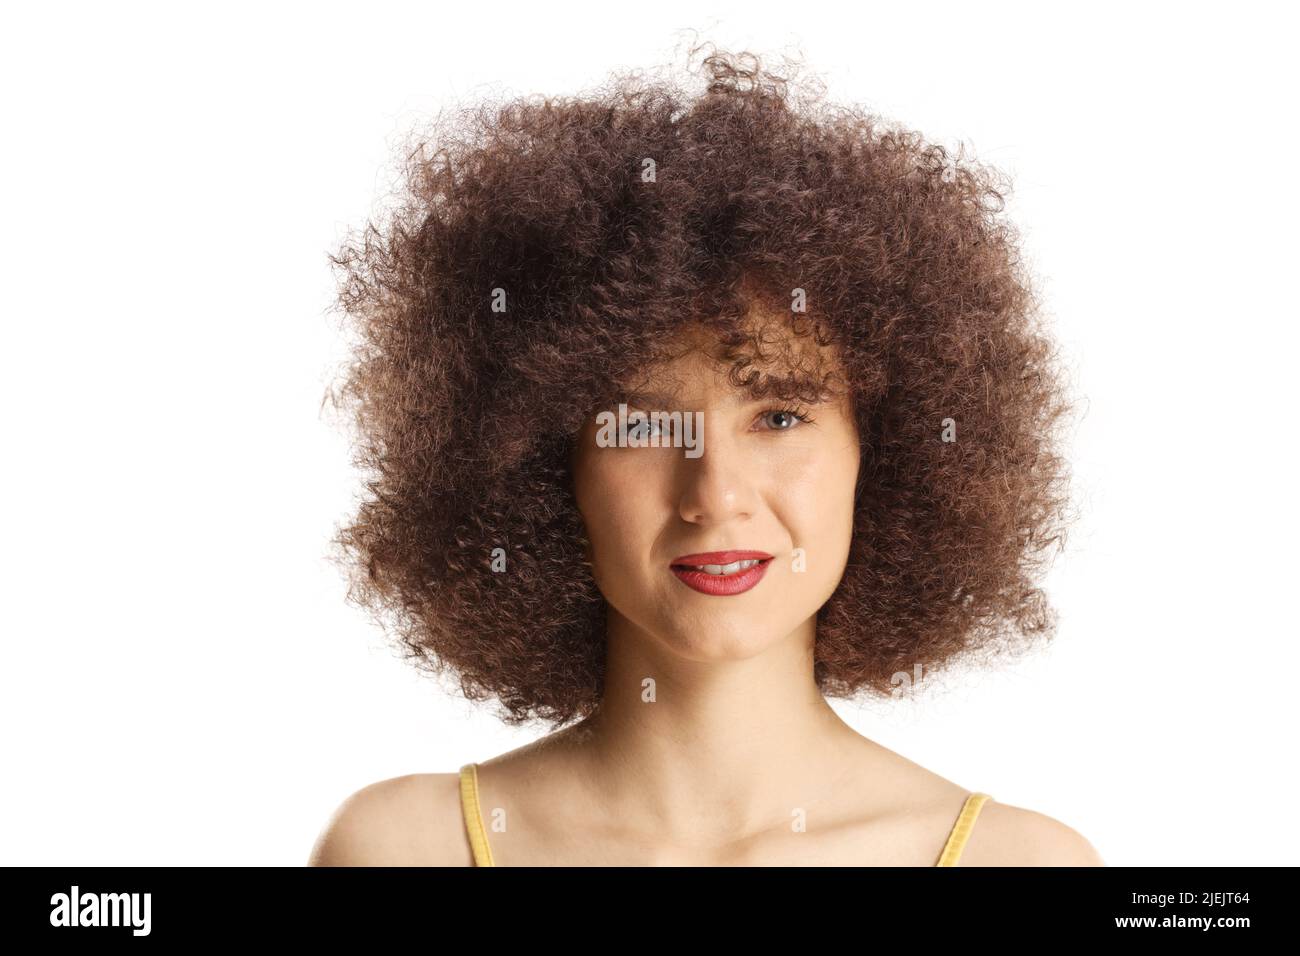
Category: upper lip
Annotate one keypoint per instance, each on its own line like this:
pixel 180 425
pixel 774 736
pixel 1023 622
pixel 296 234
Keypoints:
pixel 721 557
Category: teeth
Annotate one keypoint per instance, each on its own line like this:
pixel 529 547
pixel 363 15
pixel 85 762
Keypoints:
pixel 724 568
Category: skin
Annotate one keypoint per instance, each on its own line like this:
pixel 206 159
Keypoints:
pixel 737 744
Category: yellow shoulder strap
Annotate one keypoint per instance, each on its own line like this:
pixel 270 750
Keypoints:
pixel 469 808
pixel 961 830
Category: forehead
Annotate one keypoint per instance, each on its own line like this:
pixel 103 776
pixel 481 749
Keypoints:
pixel 761 354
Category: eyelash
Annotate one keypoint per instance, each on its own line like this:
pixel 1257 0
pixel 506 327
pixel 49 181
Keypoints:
pixel 802 416
pixel 795 413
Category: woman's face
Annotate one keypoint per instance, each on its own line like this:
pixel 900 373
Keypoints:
pixel 756 479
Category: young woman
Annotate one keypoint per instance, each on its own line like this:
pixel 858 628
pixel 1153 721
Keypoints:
pixel 684 414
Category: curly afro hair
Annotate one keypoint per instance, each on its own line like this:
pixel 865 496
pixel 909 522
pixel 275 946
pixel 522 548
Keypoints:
pixel 542 252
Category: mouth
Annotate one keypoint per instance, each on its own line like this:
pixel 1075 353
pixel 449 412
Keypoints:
pixel 721 572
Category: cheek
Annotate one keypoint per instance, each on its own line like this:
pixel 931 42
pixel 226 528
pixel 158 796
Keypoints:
pixel 822 471
pixel 815 490
pixel 615 499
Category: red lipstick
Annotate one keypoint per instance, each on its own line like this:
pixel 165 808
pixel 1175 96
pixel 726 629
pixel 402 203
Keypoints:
pixel 690 570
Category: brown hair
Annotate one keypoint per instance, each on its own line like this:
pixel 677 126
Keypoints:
pixel 466 414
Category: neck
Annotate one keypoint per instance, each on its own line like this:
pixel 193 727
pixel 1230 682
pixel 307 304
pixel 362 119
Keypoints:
pixel 725 745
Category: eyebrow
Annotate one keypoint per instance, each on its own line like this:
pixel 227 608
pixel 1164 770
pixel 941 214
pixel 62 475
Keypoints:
pixel 663 401
pixel 648 398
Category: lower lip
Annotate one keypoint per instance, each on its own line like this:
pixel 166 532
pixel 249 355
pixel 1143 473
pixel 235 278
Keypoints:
pixel 722 584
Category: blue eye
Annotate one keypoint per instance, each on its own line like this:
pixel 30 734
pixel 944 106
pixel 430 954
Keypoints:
pixel 785 419
pixel 645 429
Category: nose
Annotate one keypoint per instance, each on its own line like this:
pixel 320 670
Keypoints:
pixel 716 487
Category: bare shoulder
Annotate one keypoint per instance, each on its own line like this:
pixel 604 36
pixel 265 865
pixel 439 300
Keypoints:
pixel 411 820
pixel 1006 835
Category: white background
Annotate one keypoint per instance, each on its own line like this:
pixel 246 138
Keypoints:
pixel 181 681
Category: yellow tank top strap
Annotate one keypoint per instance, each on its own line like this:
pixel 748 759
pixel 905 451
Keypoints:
pixel 961 830
pixel 469 807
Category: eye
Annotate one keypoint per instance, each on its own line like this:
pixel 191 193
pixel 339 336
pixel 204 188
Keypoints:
pixel 784 419
pixel 645 428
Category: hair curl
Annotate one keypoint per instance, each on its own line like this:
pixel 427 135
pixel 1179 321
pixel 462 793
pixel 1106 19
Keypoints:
pixel 466 415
